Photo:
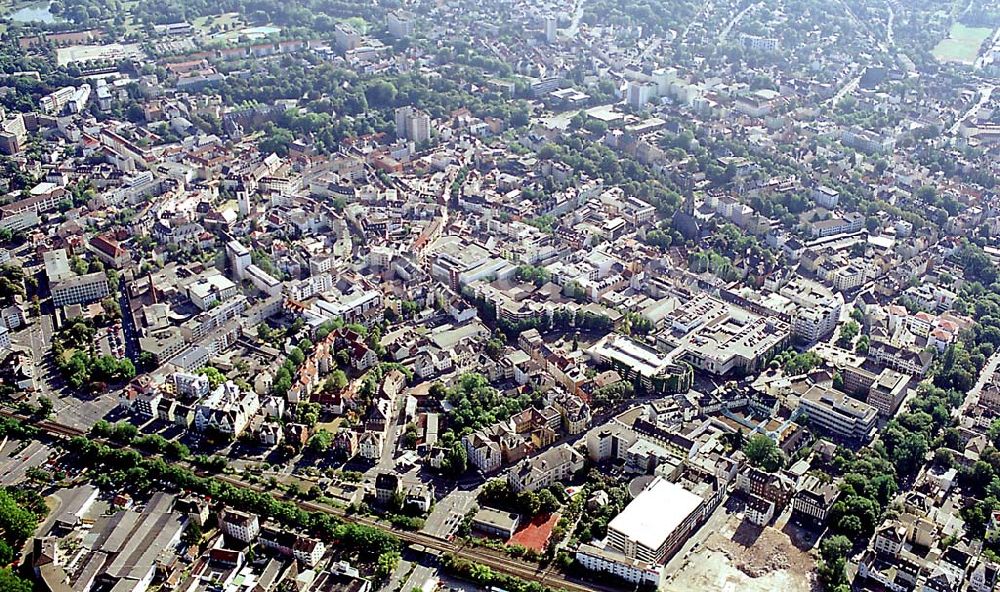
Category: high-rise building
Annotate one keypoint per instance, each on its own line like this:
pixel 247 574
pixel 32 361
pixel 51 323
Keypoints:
pixel 550 29
pixel 650 529
pixel 69 288
pixel 13 134
pixel 640 93
pixel 413 124
pixel 346 37
pixel 239 258
pixel 400 24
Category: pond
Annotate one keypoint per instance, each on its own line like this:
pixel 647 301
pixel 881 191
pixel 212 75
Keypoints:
pixel 34 13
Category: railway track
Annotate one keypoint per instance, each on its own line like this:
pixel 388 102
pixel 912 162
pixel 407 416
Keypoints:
pixel 492 559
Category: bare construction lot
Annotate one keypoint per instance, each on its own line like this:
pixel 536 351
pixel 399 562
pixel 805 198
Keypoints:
pixel 741 557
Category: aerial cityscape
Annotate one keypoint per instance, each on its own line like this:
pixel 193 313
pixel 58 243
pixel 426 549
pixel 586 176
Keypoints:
pixel 457 295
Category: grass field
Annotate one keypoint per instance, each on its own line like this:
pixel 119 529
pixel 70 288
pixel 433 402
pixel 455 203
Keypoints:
pixel 226 21
pixel 962 44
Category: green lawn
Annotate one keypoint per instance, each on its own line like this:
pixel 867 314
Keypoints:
pixel 227 20
pixel 962 44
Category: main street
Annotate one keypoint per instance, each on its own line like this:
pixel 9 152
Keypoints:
pixel 132 349
pixel 984 377
pixel 985 92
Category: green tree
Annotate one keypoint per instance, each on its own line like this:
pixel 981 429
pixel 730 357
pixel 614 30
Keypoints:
pixel 834 551
pixel 192 535
pixel 6 553
pixel 11 284
pixel 386 564
pixel 44 407
pixel 320 442
pixel 337 381
pixel 848 332
pixel 547 502
pixel 215 377
pixel 763 453
pixel 147 361
pixel 11 583
pixel 456 460
pixel 78 265
pixel 16 522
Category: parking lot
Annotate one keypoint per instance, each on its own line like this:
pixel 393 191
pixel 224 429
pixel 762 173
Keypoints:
pixel 447 514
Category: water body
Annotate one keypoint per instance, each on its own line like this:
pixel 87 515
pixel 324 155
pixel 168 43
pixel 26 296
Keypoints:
pixel 34 13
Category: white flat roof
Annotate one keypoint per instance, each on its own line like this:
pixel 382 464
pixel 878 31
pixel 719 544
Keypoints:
pixel 655 513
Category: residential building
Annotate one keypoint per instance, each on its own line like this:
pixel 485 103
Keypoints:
pixel 387 487
pixel 110 252
pixel 814 499
pixel 211 290
pixel 846 224
pixel 228 409
pixel 548 468
pixel 774 487
pixel 901 359
pixel 241 526
pixel 400 24
pixel 759 511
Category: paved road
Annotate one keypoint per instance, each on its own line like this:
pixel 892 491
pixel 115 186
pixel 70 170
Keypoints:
pixel 387 461
pixel 984 95
pixel 128 323
pixel 14 465
pixel 984 377
pixel 845 90
pixel 890 34
pixel 37 338
pixel 736 19
pixel 574 25
pixel 69 408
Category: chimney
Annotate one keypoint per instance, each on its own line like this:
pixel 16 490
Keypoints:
pixel 152 289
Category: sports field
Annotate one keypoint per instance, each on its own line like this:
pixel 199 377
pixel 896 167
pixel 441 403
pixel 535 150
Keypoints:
pixel 962 44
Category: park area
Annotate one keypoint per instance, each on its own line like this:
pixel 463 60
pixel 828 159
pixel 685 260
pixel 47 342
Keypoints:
pixel 962 44
pixel 111 52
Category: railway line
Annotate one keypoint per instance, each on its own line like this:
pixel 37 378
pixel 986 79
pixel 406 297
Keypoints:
pixel 494 560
